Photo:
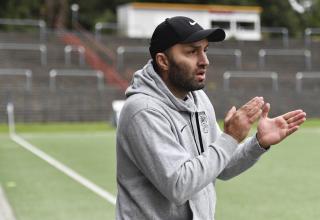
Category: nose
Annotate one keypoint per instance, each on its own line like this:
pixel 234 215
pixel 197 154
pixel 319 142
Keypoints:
pixel 203 59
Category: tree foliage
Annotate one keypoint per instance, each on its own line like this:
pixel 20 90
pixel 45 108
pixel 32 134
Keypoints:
pixel 275 13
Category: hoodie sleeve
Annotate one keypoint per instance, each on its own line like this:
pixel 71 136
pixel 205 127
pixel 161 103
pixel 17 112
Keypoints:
pixel 246 155
pixel 153 147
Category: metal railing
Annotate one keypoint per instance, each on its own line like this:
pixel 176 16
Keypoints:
pixel 103 25
pixel 250 74
pixel 121 51
pixel 133 49
pixel 278 30
pixel 19 72
pixel 28 47
pixel 305 75
pixel 27 22
pixel 307 35
pixel 54 73
pixel 67 54
pixel 285 52
pixel 229 52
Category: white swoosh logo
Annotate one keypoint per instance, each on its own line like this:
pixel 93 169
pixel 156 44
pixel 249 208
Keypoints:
pixel 192 23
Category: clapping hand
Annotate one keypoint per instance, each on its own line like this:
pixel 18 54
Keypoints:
pixel 237 123
pixel 273 130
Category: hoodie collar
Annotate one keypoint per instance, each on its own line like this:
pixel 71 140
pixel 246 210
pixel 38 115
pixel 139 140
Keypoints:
pixel 147 81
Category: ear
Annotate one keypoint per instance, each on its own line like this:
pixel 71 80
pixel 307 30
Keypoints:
pixel 162 61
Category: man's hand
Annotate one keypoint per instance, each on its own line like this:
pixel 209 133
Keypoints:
pixel 237 123
pixel 273 130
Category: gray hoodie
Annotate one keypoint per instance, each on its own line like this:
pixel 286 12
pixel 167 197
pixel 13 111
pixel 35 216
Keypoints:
pixel 170 153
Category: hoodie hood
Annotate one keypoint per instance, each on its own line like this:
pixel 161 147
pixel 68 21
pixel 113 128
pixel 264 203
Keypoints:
pixel 146 81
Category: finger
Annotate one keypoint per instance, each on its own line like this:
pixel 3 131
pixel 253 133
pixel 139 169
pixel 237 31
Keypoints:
pixel 265 110
pixel 296 117
pixel 291 114
pixel 292 130
pixel 230 113
pixel 257 101
pixel 255 109
pixel 255 116
pixel 297 123
pixel 252 101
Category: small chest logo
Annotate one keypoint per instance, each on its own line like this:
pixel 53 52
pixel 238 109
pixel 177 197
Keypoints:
pixel 204 122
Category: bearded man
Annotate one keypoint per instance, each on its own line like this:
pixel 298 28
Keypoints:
pixel 170 149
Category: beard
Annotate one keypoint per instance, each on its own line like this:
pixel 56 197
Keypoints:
pixel 183 78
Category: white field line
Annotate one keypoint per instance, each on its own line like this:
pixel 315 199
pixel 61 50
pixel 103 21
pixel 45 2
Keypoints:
pixel 6 212
pixel 66 135
pixel 64 169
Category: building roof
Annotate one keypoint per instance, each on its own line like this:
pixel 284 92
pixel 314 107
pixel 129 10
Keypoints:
pixel 195 7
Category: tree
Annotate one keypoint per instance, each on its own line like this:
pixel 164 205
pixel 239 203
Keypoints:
pixel 275 13
pixel 56 13
pixel 280 14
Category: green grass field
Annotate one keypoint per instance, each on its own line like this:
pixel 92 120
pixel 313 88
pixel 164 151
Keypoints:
pixel 283 185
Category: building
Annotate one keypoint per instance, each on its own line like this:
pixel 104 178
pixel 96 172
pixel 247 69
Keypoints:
pixel 138 20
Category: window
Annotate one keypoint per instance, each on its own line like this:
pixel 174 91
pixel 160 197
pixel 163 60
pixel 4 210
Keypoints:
pixel 245 25
pixel 221 24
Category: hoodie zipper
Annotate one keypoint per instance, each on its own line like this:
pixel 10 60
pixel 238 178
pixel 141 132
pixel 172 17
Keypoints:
pixel 199 132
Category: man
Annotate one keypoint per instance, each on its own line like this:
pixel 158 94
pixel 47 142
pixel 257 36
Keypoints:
pixel 170 149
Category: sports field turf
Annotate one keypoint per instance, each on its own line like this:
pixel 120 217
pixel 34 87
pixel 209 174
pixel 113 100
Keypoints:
pixel 283 185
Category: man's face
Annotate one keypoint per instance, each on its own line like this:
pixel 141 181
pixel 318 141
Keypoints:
pixel 187 67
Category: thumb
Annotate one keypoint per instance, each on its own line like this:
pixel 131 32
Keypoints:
pixel 265 110
pixel 230 113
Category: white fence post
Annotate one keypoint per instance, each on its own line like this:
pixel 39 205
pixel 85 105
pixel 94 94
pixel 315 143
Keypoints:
pixel 28 22
pixel 67 54
pixel 54 73
pixel 250 74
pixel 103 25
pixel 306 75
pixel 19 72
pixel 28 47
pixel 122 50
pixel 229 52
pixel 307 35
pixel 278 30
pixel 285 52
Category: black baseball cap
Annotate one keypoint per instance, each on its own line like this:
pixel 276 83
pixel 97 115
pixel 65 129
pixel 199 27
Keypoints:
pixel 181 29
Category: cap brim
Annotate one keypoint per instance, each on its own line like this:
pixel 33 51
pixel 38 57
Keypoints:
pixel 212 35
